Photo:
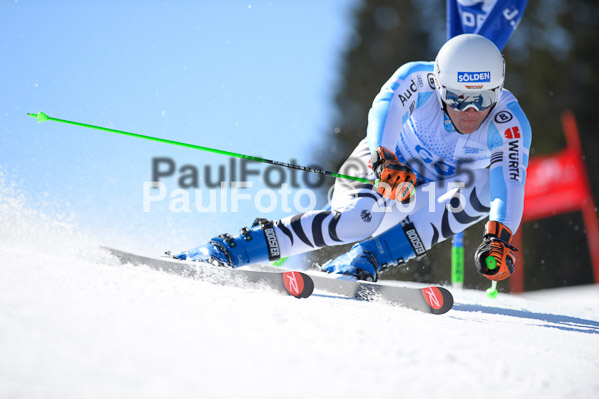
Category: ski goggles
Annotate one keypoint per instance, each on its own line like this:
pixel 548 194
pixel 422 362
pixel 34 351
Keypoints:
pixel 462 100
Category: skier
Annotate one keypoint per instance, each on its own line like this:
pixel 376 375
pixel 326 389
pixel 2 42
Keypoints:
pixel 449 146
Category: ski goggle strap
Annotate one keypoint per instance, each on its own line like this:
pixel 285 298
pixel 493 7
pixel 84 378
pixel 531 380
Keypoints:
pixel 462 100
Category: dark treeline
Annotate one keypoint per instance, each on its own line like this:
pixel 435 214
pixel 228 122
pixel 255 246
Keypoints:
pixel 552 63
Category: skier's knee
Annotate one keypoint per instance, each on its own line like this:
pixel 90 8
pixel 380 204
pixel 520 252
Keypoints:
pixel 357 223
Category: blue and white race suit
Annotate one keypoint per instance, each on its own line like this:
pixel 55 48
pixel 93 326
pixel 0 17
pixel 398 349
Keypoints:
pixel 462 178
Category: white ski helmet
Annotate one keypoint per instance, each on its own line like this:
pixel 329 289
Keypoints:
pixel 469 73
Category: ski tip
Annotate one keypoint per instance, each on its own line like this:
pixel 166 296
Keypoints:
pixel 298 284
pixel 439 299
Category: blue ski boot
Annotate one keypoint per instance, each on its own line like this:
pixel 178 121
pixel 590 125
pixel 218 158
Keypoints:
pixel 368 258
pixel 256 244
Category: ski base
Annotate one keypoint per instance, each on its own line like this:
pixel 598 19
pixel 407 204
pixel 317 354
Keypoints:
pixel 293 283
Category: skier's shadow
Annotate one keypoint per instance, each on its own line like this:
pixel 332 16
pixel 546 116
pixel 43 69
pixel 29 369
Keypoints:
pixel 566 323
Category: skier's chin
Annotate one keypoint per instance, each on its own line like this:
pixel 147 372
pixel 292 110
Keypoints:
pixel 468 127
pixel 467 121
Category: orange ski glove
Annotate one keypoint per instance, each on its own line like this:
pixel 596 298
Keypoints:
pixel 397 180
pixel 495 256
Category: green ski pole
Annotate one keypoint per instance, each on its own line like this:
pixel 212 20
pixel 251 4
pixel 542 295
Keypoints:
pixel 492 291
pixel 280 261
pixel 41 117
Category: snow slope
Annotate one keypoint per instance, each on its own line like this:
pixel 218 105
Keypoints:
pixel 76 324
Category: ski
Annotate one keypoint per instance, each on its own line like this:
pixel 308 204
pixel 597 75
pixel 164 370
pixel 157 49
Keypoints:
pixel 293 283
pixel 432 299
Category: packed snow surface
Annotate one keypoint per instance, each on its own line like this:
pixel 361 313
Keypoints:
pixel 74 323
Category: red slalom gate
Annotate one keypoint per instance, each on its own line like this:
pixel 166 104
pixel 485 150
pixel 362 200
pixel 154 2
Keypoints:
pixel 558 184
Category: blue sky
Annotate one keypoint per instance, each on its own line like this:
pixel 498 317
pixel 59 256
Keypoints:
pixel 254 77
